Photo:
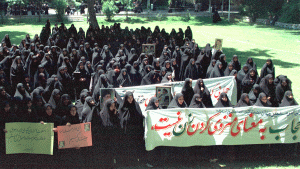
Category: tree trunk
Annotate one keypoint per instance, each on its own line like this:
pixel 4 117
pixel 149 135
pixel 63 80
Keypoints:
pixel 92 13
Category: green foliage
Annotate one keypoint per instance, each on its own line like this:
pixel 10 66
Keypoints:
pixel 291 12
pixel 59 6
pixel 109 9
pixel 186 16
pixel 260 8
pixel 254 9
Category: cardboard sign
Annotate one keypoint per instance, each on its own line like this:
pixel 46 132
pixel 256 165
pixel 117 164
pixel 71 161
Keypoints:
pixel 32 138
pixel 78 135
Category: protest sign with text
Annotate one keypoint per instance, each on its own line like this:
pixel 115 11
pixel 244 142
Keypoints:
pixel 74 136
pixel 33 138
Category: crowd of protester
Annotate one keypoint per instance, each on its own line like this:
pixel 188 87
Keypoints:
pixel 40 77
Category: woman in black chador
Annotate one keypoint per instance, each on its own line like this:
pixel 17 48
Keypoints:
pixel 288 99
pixel 253 94
pixel 131 121
pixel 124 79
pixel 281 88
pixel 55 98
pixel 72 116
pixel 21 93
pixel 6 40
pixel 267 86
pixel 217 70
pixel 187 91
pixel 203 91
pixel 249 80
pixel 197 102
pixel 236 63
pixel 223 101
pixel 16 71
pixel 49 116
pixel 153 104
pixel 62 107
pixel 263 101
pixel 150 78
pixel 177 102
pixel 268 68
pixel 88 110
pixel 244 101
pixel 191 70
pixel 251 64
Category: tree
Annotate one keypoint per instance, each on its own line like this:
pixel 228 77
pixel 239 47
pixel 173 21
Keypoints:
pixel 92 13
pixel 128 5
pixel 109 9
pixel 60 6
pixel 254 8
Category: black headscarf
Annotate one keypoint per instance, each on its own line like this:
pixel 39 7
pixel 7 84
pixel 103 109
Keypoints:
pixel 262 104
pixel 267 88
pixel 187 91
pixel 191 70
pixel 210 68
pixel 124 80
pixel 236 64
pixel 281 89
pixel 217 72
pixel 222 103
pixel 242 102
pixel 267 69
pixel 151 104
pixel 88 109
pixel 197 102
pixel 287 101
pixel 251 64
pixel 53 101
pixel 21 92
pixel 69 118
pixel 108 117
pixel 150 78
pixel 174 103
pixel 206 99
pixel 248 81
pixel 254 95
pixel 130 114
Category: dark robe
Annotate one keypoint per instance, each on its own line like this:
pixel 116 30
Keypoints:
pixel 269 89
pixel 222 103
pixel 151 105
pixel 267 69
pixel 253 95
pixel 260 103
pixel 174 103
pixel 242 102
pixel 206 99
pixel 197 102
pixel 187 91
pixel 286 101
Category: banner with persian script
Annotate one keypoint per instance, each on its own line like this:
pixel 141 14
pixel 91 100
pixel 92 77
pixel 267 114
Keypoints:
pixel 222 126
pixel 216 86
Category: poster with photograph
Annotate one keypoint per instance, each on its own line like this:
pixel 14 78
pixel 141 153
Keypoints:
pixel 218 44
pixel 164 95
pixel 106 94
pixel 149 48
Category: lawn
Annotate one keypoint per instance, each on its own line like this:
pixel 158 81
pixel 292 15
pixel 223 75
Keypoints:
pixel 243 39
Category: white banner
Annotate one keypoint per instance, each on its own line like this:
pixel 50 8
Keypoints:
pixel 216 86
pixel 221 126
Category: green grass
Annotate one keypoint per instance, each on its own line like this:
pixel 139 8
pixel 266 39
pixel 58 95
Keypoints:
pixel 243 39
